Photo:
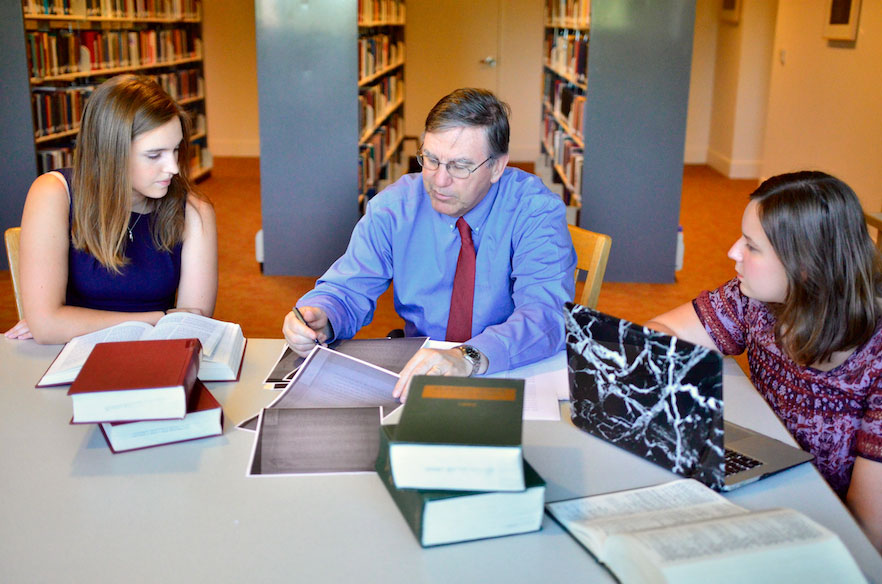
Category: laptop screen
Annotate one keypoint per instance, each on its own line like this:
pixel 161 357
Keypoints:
pixel 647 392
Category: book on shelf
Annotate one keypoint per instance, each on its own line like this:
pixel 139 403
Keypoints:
pixel 439 517
pixel 204 418
pixel 683 532
pixel 135 380
pixel 223 346
pixel 460 433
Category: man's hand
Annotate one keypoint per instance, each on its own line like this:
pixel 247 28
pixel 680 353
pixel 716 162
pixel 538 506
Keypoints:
pixel 302 338
pixel 447 362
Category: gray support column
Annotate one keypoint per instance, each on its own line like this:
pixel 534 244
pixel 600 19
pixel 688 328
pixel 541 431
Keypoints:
pixel 19 168
pixel 308 93
pixel 639 59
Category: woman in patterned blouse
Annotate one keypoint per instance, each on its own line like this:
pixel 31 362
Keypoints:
pixel 806 305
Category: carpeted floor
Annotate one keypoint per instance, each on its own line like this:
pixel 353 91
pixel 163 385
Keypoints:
pixel 710 215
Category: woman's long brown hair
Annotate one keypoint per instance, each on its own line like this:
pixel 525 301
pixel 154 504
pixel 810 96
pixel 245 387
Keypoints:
pixel 118 111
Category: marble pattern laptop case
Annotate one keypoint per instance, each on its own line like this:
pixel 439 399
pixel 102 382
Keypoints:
pixel 647 392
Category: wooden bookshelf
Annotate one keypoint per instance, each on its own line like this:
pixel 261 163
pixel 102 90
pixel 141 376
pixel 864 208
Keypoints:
pixel 564 88
pixel 73 45
pixel 381 94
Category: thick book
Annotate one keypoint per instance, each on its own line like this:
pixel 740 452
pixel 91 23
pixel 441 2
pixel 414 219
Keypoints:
pixel 460 433
pixel 135 380
pixel 440 517
pixel 682 532
pixel 204 418
pixel 223 346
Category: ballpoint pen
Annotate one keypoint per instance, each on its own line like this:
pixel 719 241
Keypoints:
pixel 299 316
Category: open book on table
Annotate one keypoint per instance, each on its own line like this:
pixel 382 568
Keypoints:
pixel 223 346
pixel 683 532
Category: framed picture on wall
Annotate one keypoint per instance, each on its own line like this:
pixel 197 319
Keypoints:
pixel 730 11
pixel 842 19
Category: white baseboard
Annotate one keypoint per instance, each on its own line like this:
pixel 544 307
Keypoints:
pixel 736 169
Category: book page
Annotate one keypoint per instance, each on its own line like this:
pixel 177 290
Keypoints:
pixel 77 350
pixel 185 325
pixel 330 379
pixel 729 536
pixel 540 401
pixel 592 519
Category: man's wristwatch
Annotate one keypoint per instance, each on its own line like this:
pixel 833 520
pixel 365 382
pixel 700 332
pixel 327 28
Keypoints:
pixel 472 355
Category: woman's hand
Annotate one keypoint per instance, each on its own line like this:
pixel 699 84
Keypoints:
pixel 20 331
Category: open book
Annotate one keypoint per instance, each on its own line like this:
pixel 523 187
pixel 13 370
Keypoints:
pixel 223 346
pixel 683 532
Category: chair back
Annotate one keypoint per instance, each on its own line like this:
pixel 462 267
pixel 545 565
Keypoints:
pixel 12 237
pixel 875 220
pixel 592 252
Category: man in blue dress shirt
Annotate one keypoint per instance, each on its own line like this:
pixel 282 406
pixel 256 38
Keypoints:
pixel 524 260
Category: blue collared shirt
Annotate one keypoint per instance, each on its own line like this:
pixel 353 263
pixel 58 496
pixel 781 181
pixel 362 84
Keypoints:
pixel 524 268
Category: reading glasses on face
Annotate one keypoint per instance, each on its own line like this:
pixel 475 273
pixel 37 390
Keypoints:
pixel 453 169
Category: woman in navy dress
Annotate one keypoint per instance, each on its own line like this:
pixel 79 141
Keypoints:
pixel 121 236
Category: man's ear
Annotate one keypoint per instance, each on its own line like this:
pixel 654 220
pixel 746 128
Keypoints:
pixel 499 164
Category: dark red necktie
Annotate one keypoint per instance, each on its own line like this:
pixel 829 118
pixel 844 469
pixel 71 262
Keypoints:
pixel 459 323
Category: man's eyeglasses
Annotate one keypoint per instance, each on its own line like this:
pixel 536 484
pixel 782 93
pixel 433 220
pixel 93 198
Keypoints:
pixel 454 169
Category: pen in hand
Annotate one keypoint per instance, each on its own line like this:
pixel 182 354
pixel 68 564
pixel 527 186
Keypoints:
pixel 299 316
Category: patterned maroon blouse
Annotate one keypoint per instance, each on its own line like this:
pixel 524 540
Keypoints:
pixel 836 415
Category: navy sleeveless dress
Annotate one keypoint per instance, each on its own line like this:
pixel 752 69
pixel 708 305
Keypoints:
pixel 148 282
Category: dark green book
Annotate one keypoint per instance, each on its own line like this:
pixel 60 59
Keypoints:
pixel 440 517
pixel 460 433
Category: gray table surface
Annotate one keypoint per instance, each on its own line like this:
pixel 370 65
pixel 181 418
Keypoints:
pixel 72 511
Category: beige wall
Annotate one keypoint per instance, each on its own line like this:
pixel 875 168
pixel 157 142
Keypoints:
pixel 231 77
pixel 443 50
pixel 740 91
pixel 701 81
pixel 825 110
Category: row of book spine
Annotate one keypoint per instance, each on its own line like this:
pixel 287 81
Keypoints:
pixel 378 52
pixel 568 12
pixel 57 53
pixel 567 52
pixel 120 9
pixel 62 156
pixel 374 11
pixel 566 102
pixel 374 152
pixel 566 153
pixel 59 109
pixel 375 101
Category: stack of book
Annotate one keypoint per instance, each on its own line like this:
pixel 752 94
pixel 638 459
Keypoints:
pixel 454 464
pixel 145 393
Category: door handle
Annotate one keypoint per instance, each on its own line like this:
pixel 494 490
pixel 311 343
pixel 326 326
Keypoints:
pixel 489 61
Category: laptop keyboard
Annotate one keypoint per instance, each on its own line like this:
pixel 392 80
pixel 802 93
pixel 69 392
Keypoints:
pixel 737 462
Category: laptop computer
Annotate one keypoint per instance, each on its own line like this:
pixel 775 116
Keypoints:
pixel 662 398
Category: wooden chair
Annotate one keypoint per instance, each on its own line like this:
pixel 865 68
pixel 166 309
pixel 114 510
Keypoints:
pixel 592 252
pixel 12 236
pixel 875 220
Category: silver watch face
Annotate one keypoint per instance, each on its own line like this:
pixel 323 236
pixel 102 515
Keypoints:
pixel 472 355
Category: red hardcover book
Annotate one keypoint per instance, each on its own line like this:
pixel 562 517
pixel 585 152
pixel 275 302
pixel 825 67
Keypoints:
pixel 204 418
pixel 135 380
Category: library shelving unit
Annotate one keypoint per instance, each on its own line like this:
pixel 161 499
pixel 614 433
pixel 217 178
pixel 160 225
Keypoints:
pixel 74 45
pixel 380 94
pixel 616 88
pixel 563 95
pixel 330 81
